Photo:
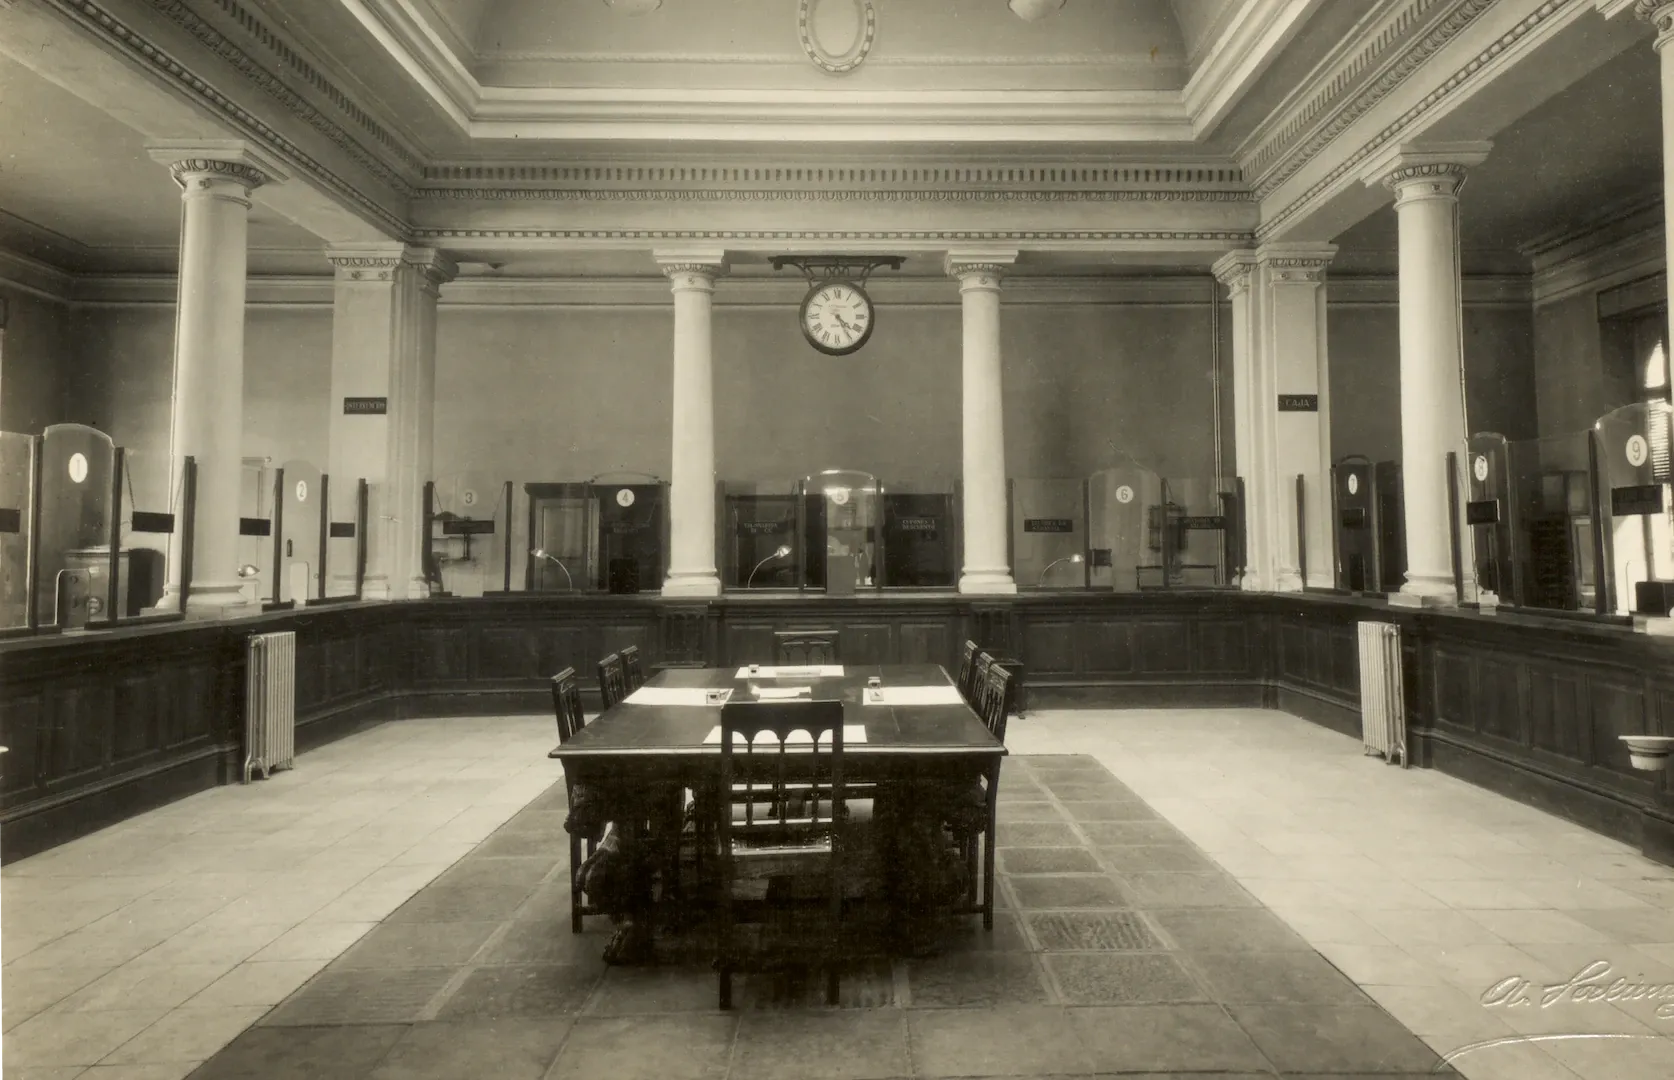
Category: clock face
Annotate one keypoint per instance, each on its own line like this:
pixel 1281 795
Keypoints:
pixel 837 318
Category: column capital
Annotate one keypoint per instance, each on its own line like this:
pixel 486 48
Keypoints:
pixel 1233 270
pixel 197 165
pixel 979 267
pixel 692 268
pixel 1660 14
pixel 379 262
pixel 1427 170
pixel 1295 263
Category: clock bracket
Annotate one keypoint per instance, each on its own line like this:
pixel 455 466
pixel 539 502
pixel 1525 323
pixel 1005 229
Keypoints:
pixel 819 269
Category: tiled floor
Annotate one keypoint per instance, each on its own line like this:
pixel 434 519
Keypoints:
pixel 144 950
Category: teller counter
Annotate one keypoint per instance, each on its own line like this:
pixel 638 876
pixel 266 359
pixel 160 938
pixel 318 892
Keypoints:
pixel 105 724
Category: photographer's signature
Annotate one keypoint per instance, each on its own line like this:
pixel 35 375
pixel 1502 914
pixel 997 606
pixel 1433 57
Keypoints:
pixel 1595 983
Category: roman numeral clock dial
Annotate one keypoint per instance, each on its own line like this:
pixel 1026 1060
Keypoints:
pixel 837 317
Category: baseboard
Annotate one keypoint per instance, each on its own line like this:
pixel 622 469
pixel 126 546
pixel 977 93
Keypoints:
pixel 1602 813
pixel 1315 707
pixel 1158 695
pixel 46 824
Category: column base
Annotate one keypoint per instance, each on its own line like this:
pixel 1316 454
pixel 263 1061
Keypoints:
pixel 987 583
pixel 215 600
pixel 1425 592
pixel 700 583
pixel 1252 583
pixel 1288 581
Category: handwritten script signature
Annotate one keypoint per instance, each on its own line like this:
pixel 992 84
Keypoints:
pixel 1593 984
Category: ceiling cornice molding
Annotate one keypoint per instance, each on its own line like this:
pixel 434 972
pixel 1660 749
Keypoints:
pixel 687 115
pixel 290 57
pixel 675 172
pixel 1383 290
pixel 1461 82
pixel 130 43
pixel 839 241
pixel 1241 53
pixel 1614 248
pixel 734 195
pixel 1386 47
pixel 413 43
pixel 33 276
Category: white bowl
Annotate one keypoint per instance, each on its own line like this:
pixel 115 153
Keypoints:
pixel 1649 752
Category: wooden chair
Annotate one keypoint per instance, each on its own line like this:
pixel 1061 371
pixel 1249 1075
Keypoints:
pixel 800 648
pixel 967 669
pixel 566 703
pixel 613 680
pixel 632 671
pixel 790 819
pixel 996 697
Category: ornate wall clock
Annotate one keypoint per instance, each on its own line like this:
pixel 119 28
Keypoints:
pixel 837 316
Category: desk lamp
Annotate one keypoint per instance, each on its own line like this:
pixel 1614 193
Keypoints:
pixel 1076 558
pixel 778 553
pixel 542 553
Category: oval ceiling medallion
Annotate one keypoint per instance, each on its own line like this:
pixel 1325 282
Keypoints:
pixel 866 17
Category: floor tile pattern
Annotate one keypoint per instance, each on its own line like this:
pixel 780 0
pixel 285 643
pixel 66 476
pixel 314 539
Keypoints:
pixel 1083 975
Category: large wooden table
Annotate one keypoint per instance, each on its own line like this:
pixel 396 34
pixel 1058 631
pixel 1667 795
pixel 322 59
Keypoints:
pixel 666 742
pixel 915 751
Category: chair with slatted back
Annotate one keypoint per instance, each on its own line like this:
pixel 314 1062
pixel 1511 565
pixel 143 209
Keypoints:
pixel 994 699
pixel 803 648
pixel 790 820
pixel 633 673
pixel 613 680
pixel 979 681
pixel 967 669
pixel 566 704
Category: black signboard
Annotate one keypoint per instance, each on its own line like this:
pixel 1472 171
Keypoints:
pixel 1482 512
pixel 254 527
pixel 342 530
pixel 149 521
pixel 11 521
pixel 365 406
pixel 1215 521
pixel 467 527
pixel 1299 403
pixel 763 528
pixel 920 524
pixel 1048 525
pixel 1638 499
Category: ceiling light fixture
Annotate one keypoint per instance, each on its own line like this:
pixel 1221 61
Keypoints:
pixel 1034 10
pixel 633 7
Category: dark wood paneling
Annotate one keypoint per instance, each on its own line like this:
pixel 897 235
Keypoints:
pixel 867 643
pixel 1222 648
pixel 104 723
pixel 1618 708
pixel 1106 648
pixel 924 643
pixel 1049 647
pixel 1164 647
pixel 1499 705
pixel 1557 712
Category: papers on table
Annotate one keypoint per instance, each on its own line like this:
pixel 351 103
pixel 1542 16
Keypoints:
pixel 852 734
pixel 912 695
pixel 782 693
pixel 678 695
pixel 814 671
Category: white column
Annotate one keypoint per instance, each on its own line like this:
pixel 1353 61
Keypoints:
pixel 1292 354
pixel 1252 437
pixel 1660 13
pixel 691 557
pixel 1426 183
pixel 207 421
pixel 383 345
pixel 986 570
